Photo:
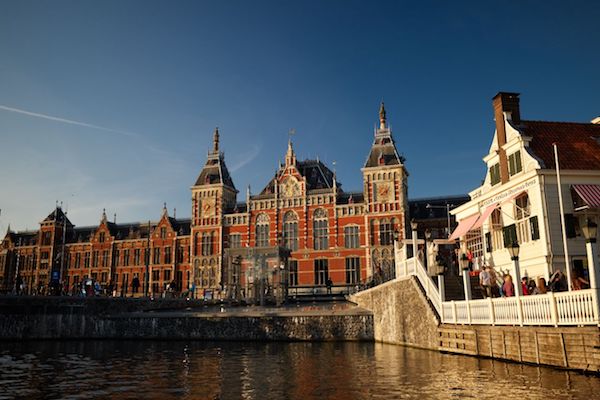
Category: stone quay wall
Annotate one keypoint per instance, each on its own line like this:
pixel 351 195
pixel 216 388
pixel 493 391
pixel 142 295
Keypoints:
pixel 401 313
pixel 109 318
pixel 565 347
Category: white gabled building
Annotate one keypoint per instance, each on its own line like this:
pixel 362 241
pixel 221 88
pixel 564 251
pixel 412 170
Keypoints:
pixel 519 198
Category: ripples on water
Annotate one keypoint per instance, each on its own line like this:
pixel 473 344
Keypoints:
pixel 208 370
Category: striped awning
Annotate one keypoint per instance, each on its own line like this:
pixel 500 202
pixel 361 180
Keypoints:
pixel 590 194
pixel 483 217
pixel 464 226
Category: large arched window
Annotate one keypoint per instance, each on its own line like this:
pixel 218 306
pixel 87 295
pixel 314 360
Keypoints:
pixel 320 230
pixel 290 230
pixel 262 230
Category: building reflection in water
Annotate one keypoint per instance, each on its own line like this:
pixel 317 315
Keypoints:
pixel 233 370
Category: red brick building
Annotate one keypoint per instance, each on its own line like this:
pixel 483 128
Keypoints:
pixel 331 234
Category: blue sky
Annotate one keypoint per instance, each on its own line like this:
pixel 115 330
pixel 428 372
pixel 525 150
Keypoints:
pixel 134 90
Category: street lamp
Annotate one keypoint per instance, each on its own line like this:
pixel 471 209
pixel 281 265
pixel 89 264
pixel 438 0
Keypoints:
pixel 413 227
pixel 463 262
pixel 590 233
pixel 513 250
pixel 447 207
pixel 426 252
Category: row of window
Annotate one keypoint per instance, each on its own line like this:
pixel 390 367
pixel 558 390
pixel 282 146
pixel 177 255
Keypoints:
pixel 514 167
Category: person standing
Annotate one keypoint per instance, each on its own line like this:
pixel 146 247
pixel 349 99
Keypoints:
pixel 508 288
pixel 485 281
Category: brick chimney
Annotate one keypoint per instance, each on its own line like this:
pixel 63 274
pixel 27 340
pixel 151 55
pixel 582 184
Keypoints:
pixel 506 106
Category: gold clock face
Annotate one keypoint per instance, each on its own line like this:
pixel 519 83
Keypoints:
pixel 384 192
pixel 208 208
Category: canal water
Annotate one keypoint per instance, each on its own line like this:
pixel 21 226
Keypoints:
pixel 232 370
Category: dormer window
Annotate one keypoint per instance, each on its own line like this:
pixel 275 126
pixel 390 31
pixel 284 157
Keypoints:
pixel 514 163
pixel 495 174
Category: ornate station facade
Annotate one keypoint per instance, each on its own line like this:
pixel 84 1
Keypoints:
pixel 330 236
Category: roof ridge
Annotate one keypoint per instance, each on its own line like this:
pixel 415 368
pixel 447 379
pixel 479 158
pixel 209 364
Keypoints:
pixel 560 122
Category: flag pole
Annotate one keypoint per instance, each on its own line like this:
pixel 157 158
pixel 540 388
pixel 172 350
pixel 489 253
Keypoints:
pixel 562 218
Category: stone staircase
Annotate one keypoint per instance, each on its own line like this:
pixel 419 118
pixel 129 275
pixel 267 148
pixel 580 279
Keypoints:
pixel 455 288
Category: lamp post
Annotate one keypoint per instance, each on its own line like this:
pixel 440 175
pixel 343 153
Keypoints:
pixel 590 232
pixel 513 249
pixel 146 272
pixel 463 262
pixel 426 251
pixel 413 227
pixel 447 207
pixel 395 236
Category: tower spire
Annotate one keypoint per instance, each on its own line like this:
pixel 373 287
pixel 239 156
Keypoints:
pixel 216 140
pixel 382 119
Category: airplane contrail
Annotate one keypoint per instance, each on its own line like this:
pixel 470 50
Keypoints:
pixel 68 121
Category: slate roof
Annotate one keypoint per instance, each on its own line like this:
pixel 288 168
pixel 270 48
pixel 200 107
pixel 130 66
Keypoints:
pixel 383 149
pixel 57 215
pixel 215 171
pixel 350 198
pixel 317 174
pixel 578 143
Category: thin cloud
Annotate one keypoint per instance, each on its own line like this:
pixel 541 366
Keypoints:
pixel 68 121
pixel 246 158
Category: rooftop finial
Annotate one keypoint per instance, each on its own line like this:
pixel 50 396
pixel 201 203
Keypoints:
pixel 103 214
pixel 216 140
pixel 290 157
pixel 165 208
pixel 382 119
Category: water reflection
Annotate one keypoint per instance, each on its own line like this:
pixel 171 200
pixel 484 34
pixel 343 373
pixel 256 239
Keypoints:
pixel 201 370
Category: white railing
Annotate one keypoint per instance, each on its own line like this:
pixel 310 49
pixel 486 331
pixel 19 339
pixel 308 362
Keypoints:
pixel 413 266
pixel 578 307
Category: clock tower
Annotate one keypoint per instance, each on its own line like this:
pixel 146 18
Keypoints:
pixel 385 194
pixel 212 195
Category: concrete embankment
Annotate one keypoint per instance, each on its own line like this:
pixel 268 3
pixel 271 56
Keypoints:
pixel 401 313
pixel 114 318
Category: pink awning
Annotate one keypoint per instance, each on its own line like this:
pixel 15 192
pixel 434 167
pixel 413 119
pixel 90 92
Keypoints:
pixel 464 226
pixel 488 211
pixel 590 194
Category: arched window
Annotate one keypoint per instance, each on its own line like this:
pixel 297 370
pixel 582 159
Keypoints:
pixel 373 231
pixel 262 230
pixel 496 229
pixel 290 230
pixel 212 273
pixel 204 274
pixel 386 228
pixel 522 214
pixel 351 237
pixel 207 247
pixel 320 230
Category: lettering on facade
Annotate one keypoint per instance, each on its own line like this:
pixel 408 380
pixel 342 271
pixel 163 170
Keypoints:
pixel 508 193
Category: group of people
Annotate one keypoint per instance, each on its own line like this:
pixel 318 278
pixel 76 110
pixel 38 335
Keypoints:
pixel 491 286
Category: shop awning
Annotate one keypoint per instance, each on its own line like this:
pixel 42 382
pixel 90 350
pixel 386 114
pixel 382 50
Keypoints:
pixel 464 226
pixel 486 214
pixel 590 194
